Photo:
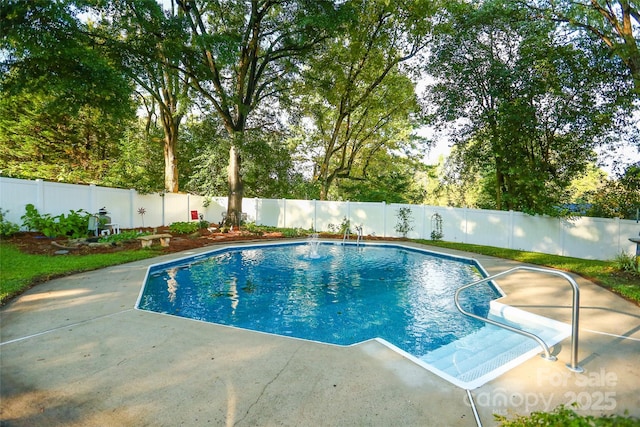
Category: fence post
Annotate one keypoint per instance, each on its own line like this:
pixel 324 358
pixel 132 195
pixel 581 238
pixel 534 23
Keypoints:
pixel 40 196
pixel 284 213
pixel 384 219
pixel 93 199
pixel 511 226
pixel 315 215
pixel 132 208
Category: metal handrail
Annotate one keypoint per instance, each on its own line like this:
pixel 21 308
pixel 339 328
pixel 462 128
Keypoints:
pixel 359 233
pixel 574 317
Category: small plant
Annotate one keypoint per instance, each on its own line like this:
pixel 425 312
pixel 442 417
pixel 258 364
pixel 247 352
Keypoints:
pixel 563 416
pixel 286 232
pixel 141 212
pixel 184 227
pixel 345 226
pixel 436 227
pixel 251 227
pixel 7 228
pixel 626 262
pixel 123 236
pixel 74 225
pixel 405 220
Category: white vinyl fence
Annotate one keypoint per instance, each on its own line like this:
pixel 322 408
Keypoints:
pixel 583 237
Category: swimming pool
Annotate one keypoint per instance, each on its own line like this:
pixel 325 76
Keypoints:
pixel 342 295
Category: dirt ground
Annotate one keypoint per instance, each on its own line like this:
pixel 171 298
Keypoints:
pixel 36 243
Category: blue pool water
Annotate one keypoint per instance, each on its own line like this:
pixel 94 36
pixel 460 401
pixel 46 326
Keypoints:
pixel 347 294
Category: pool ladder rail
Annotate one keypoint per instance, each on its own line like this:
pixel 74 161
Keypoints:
pixel 347 235
pixel 573 366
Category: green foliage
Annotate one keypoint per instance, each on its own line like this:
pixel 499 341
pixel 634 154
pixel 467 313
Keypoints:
pixel 405 221
pixel 75 224
pixel 40 141
pixel 344 227
pixel 123 236
pixel 526 100
pixel 7 228
pixel 139 163
pixel 184 227
pixel 563 416
pixel 385 178
pixel 626 262
pixel 436 227
pixel 612 24
pixel 20 270
pixel 63 104
pixel 286 232
pixel 267 163
pixel 359 105
pixel 617 198
pixel 603 273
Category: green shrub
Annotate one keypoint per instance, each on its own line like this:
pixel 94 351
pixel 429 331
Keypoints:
pixel 123 236
pixel 563 416
pixel 405 220
pixel 286 232
pixel 184 227
pixel 74 225
pixel 251 227
pixel 626 262
pixel 7 228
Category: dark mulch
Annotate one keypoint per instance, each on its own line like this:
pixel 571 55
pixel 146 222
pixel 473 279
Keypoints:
pixel 36 243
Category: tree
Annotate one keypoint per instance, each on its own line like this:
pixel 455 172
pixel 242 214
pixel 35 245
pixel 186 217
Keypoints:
pixel 240 55
pixel 355 95
pixel 614 23
pixel 389 178
pixel 63 106
pixel 533 106
pixel 38 141
pixel 144 40
pixel 618 198
pixel 267 164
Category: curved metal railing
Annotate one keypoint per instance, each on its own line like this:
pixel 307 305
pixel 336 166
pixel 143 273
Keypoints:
pixel 574 317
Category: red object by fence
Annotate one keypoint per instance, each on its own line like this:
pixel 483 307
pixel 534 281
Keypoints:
pixel 194 215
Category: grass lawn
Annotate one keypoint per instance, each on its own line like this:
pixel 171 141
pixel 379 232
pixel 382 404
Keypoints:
pixel 604 273
pixel 19 271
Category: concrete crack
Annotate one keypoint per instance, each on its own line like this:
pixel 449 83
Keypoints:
pixel 264 389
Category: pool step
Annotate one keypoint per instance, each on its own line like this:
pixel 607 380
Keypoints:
pixel 490 351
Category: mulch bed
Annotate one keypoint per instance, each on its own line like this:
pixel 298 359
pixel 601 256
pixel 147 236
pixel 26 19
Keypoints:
pixel 36 243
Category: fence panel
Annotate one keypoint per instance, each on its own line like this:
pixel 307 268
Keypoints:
pixel 15 194
pixel 536 233
pixel 490 228
pixel 591 238
pixel 330 214
pixel 299 214
pixel 368 215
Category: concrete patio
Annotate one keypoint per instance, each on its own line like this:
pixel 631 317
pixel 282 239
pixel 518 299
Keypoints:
pixel 75 352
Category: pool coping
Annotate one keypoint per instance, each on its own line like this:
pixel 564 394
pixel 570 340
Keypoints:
pixel 75 352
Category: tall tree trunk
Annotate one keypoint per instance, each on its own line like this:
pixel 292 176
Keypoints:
pixel 170 126
pixel 236 186
pixel 499 186
pixel 324 188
